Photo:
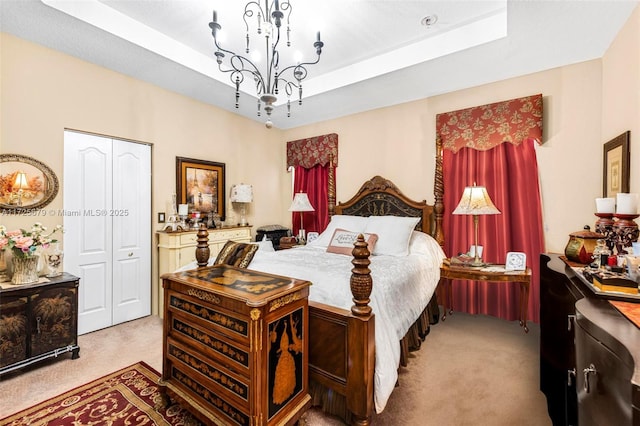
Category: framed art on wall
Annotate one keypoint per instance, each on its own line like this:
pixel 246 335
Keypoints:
pixel 615 171
pixel 201 185
pixel 26 184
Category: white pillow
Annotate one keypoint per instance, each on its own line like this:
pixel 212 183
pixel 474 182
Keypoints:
pixel 264 245
pixel 393 232
pixel 342 221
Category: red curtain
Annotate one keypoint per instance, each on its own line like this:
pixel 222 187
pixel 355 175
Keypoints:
pixel 311 158
pixel 315 182
pixel 510 173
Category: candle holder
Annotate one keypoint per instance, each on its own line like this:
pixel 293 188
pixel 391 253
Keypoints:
pixel 604 226
pixel 625 231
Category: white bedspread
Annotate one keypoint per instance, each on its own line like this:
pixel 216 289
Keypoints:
pixel 402 288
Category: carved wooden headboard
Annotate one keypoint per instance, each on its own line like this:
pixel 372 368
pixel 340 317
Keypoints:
pixel 381 197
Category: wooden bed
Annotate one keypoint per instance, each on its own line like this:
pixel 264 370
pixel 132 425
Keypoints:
pixel 341 368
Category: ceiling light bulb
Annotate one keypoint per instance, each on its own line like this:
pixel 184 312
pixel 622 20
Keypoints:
pixel 268 124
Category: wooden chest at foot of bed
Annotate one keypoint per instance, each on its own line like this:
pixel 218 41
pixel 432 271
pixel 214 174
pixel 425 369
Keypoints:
pixel 235 346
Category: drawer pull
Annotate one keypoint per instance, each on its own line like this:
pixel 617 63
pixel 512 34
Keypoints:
pixel 570 375
pixel 130 254
pixel 570 320
pixel 587 372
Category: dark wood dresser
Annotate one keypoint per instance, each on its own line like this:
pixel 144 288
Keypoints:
pixel 38 321
pixel 589 351
pixel 235 345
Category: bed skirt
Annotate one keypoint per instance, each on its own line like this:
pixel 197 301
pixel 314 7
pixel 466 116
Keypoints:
pixel 333 403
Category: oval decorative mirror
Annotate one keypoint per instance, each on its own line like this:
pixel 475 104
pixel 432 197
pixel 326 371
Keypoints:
pixel 25 183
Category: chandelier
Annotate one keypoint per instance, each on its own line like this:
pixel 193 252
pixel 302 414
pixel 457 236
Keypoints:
pixel 271 79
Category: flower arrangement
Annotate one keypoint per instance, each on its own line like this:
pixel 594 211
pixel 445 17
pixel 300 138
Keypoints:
pixel 24 243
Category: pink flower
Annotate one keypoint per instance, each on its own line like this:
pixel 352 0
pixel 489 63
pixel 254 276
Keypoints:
pixel 23 243
pixel 3 243
pixel 14 233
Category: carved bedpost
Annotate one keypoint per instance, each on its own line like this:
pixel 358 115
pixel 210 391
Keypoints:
pixel 332 187
pixel 438 191
pixel 202 248
pixel 361 281
pixel 361 339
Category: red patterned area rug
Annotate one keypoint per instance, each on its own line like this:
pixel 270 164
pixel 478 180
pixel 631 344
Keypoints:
pixel 126 397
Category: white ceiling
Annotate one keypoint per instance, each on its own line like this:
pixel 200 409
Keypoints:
pixel 376 52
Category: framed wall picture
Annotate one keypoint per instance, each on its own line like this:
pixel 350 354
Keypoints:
pixel 201 185
pixel 26 184
pixel 615 172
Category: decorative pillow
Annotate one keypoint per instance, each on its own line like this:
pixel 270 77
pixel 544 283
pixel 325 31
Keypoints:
pixel 236 254
pixel 342 241
pixel 352 223
pixel 393 233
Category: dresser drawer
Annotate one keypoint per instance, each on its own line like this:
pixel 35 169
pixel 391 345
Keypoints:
pixel 223 235
pixel 200 390
pixel 231 234
pixel 232 387
pixel 209 315
pixel 233 356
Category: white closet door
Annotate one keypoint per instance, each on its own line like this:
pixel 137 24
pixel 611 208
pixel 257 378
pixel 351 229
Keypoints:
pixel 107 242
pixel 88 227
pixel 131 231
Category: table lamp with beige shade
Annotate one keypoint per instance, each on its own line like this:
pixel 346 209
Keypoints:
pixel 301 204
pixel 475 201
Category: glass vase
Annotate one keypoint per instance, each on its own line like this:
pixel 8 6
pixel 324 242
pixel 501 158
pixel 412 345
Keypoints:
pixel 25 269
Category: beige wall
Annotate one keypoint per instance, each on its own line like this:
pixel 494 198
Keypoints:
pixel 621 91
pixel 399 143
pixel 42 92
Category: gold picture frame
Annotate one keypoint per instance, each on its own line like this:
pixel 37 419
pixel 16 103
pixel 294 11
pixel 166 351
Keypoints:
pixel 615 173
pixel 201 185
pixel 26 184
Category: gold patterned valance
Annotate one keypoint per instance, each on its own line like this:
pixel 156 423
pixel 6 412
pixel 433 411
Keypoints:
pixel 484 127
pixel 312 151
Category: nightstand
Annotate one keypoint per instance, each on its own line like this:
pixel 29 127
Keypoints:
pixel 450 272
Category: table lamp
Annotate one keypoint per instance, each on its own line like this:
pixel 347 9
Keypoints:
pixel 242 193
pixel 21 184
pixel 475 201
pixel 301 204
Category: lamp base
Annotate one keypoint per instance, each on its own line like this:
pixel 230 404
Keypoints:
pixel 477 263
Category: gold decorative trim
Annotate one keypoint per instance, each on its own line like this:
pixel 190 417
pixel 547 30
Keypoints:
pixel 256 341
pixel 255 314
pixel 203 295
pixel 284 300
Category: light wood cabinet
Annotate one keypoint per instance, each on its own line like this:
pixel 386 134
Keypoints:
pixel 235 347
pixel 177 249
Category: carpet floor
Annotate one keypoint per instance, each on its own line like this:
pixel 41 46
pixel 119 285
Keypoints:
pixel 471 370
